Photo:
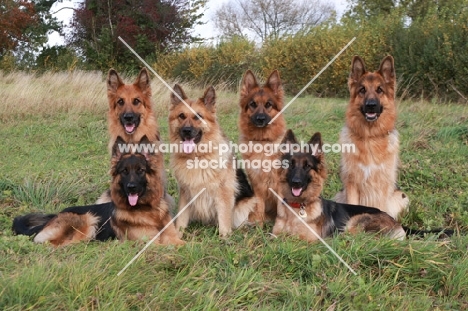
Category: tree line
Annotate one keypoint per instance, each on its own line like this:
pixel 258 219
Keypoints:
pixel 152 27
pixel 429 40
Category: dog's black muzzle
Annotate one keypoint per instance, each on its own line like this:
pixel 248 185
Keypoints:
pixel 298 181
pixel 260 119
pixel 134 187
pixel 190 133
pixel 130 121
pixel 371 109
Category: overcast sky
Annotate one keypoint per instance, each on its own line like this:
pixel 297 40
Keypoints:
pixel 205 31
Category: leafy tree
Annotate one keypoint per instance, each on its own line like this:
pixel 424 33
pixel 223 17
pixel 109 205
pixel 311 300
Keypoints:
pixel 447 9
pixel 362 10
pixel 16 18
pixel 24 26
pixel 57 58
pixel 149 26
pixel 270 19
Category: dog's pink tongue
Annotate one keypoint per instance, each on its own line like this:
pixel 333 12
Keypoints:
pixel 133 199
pixel 296 191
pixel 129 128
pixel 188 145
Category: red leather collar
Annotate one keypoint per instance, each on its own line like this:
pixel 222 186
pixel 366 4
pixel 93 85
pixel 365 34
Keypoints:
pixel 294 204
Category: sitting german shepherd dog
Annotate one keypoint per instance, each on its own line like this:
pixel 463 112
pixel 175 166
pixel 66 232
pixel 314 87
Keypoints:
pixel 301 183
pixel 228 198
pixel 369 175
pixel 137 209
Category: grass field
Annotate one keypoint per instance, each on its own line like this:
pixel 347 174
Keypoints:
pixel 53 154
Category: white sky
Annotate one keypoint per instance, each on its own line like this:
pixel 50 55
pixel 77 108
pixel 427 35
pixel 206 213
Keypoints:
pixel 205 31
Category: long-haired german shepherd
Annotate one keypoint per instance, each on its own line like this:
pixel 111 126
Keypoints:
pixel 369 174
pixel 228 198
pixel 136 211
pixel 130 113
pixel 300 186
pixel 259 105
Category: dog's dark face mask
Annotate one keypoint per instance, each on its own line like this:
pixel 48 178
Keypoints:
pixel 260 116
pixel 130 121
pixel 132 170
pixel 190 137
pixel 298 175
pixel 371 109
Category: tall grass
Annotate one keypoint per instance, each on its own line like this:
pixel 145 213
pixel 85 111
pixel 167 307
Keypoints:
pixel 41 193
pixel 50 93
pixel 74 92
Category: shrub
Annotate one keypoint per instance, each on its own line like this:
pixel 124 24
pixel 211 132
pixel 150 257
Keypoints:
pixel 431 56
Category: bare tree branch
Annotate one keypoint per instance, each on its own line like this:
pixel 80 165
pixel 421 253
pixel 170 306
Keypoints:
pixel 270 19
pixel 64 8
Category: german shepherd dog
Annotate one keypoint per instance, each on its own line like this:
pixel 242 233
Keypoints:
pixel 369 174
pixel 228 198
pixel 259 105
pixel 136 211
pixel 300 186
pixel 131 116
pixel 130 109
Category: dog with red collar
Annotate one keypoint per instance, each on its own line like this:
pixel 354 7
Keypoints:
pixel 301 184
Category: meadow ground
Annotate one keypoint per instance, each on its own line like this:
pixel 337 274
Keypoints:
pixel 53 154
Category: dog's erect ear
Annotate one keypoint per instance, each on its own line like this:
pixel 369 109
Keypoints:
pixel 358 68
pixel 315 144
pixel 175 99
pixel 387 69
pixel 145 140
pixel 118 148
pixel 113 81
pixel 145 147
pixel 289 138
pixel 209 98
pixel 274 82
pixel 143 82
pixel 248 83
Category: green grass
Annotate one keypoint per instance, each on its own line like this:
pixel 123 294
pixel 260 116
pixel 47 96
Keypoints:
pixel 54 155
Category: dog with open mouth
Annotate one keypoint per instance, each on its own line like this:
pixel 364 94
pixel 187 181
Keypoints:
pixel 130 113
pixel 137 210
pixel 369 174
pixel 227 199
pixel 300 186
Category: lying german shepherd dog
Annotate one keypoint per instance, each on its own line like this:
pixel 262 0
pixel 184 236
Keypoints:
pixel 137 209
pixel 300 186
